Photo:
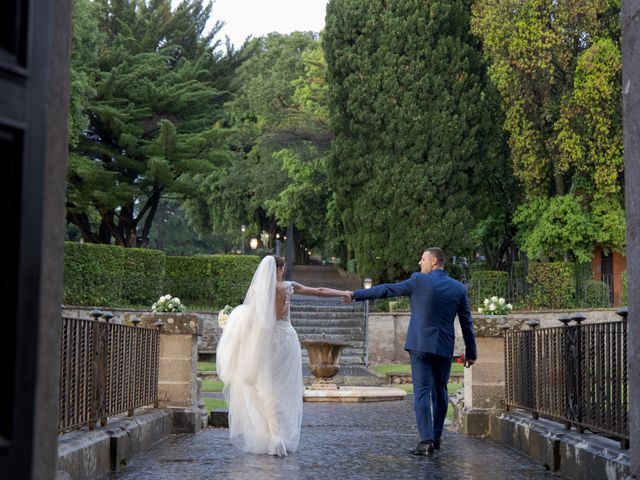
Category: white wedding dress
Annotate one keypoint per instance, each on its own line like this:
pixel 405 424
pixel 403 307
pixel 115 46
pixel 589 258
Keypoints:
pixel 259 360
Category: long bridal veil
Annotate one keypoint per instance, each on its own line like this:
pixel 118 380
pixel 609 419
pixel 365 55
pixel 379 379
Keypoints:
pixel 244 361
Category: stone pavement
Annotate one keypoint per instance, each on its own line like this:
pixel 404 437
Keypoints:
pixel 339 441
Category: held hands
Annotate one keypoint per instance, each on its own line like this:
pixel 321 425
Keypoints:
pixel 347 297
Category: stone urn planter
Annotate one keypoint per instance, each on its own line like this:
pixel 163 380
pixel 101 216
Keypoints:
pixel 324 357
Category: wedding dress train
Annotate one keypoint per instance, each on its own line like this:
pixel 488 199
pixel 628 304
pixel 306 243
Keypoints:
pixel 259 360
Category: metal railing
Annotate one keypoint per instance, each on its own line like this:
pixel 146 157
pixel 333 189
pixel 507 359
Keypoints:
pixel 105 369
pixel 602 291
pixel 576 374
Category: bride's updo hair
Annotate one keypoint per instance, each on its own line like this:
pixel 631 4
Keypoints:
pixel 279 261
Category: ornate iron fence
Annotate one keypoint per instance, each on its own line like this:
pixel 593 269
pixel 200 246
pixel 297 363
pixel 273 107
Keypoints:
pixel 105 369
pixel 576 374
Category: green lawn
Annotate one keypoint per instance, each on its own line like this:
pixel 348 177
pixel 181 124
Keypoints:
pixel 393 368
pixel 452 387
pixel 206 367
pixel 405 368
pixel 213 403
pixel 212 386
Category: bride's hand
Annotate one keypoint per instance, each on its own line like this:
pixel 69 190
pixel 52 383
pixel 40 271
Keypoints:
pixel 347 296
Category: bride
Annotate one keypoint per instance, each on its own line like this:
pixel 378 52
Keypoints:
pixel 259 360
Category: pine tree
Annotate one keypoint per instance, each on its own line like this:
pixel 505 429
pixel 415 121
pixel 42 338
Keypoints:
pixel 153 120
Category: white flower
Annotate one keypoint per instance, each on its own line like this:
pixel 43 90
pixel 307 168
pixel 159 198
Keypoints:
pixel 177 300
pixel 501 301
pixel 492 307
pixel 494 299
pixel 486 301
pixel 480 310
pixel 509 306
pixel 223 318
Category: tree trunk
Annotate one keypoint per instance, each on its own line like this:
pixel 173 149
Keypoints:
pixel 152 207
pixel 81 220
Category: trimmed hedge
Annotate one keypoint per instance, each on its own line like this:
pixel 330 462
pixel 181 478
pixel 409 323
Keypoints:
pixel 553 285
pixel 486 284
pixel 215 280
pixel 595 294
pixel 107 275
pixel 112 276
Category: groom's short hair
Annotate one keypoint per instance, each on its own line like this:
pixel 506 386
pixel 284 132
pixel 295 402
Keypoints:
pixel 438 254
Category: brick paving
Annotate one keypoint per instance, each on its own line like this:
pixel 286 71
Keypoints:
pixel 339 441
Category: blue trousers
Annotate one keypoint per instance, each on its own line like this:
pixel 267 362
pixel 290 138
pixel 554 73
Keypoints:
pixel 430 374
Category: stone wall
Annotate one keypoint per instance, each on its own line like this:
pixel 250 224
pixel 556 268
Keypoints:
pixel 387 331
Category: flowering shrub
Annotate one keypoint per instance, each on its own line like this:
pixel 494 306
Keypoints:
pixel 495 306
pixel 167 303
pixel 223 316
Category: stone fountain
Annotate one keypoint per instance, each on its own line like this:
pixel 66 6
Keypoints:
pixel 324 357
pixel 324 363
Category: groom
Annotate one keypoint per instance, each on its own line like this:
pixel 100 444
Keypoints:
pixel 435 300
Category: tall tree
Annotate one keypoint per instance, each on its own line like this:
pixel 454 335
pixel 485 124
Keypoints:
pixel 417 148
pixel 153 119
pixel 557 66
pixel 279 116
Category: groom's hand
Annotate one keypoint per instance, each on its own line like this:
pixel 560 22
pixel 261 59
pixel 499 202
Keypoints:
pixel 468 362
pixel 347 297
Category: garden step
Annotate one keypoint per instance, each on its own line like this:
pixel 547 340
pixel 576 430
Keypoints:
pixel 329 322
pixel 328 330
pixel 326 314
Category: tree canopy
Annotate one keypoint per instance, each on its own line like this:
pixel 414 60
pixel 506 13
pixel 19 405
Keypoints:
pixel 417 147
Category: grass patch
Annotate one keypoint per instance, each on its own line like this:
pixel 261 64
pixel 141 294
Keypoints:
pixel 405 368
pixel 213 403
pixel 407 387
pixel 401 368
pixel 457 367
pixel 206 367
pixel 212 386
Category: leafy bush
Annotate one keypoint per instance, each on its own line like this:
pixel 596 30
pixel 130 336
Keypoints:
pixel 486 284
pixel 112 276
pixel 108 275
pixel 625 291
pixel 210 279
pixel 594 294
pixel 351 265
pixel 382 304
pixel 553 285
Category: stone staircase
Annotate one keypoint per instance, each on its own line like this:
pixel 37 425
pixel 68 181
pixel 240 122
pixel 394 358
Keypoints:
pixel 338 322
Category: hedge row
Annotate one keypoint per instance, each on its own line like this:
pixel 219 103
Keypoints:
pixel 210 279
pixel 111 276
pixel 554 285
pixel 106 275
pixel 486 284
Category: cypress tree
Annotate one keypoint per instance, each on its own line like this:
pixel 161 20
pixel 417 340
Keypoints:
pixel 417 145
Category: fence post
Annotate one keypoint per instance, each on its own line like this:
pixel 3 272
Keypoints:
pixel 568 372
pixel 508 367
pixel 623 313
pixel 532 355
pixel 579 377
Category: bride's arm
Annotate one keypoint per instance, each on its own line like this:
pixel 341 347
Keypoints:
pixel 320 291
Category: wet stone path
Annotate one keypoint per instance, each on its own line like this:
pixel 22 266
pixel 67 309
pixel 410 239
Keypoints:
pixel 338 441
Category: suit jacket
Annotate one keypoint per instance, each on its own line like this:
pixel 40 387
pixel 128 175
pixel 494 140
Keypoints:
pixel 436 298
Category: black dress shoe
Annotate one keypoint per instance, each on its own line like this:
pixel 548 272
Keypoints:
pixel 423 448
pixel 436 444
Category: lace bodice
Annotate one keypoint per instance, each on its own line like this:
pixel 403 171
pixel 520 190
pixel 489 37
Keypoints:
pixel 288 292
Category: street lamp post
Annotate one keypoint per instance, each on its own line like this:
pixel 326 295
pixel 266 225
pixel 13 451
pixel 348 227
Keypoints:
pixel 243 229
pixel 253 243
pixel 368 283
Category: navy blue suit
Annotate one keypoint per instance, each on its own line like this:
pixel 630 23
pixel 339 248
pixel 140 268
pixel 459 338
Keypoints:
pixel 436 299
